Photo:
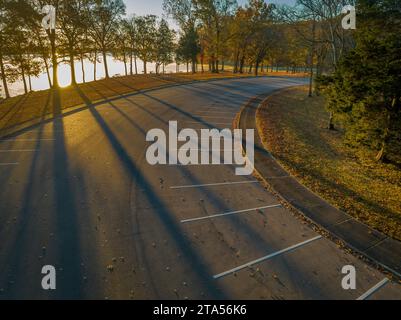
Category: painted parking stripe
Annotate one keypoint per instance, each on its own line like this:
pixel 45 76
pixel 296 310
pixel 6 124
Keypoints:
pixel 230 213
pixel 9 164
pixel 21 150
pixel 209 150
pixel 214 123
pixel 270 256
pixel 216 117
pixel 210 113
pixel 17 139
pixel 213 184
pixel 376 288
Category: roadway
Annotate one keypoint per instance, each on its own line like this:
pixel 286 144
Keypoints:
pixel 77 193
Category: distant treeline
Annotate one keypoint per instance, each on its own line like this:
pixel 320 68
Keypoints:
pixel 358 70
pixel 211 33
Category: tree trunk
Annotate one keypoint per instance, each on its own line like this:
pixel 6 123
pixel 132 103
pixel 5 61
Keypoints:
pixel 95 66
pixel 331 123
pixel 257 67
pixel 311 81
pixel 136 65
pixel 131 58
pixel 30 82
pixel 145 71
pixel 106 68
pixel 47 70
pixel 125 66
pixel 23 77
pixel 72 66
pixel 312 56
pixel 25 84
pixel 383 153
pixel 4 77
pixel 194 66
pixel 236 62
pixel 241 67
pixel 83 69
pixel 54 58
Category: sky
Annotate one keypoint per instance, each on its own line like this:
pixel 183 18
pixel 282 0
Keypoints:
pixel 142 7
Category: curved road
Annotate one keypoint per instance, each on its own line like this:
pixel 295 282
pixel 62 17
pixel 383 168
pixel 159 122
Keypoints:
pixel 78 194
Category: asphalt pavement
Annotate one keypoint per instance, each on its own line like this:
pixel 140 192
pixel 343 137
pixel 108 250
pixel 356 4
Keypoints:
pixel 77 193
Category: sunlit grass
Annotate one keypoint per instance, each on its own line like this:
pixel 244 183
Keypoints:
pixel 294 129
pixel 37 104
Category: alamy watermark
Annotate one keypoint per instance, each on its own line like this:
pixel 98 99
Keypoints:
pixel 49 20
pixel 205 149
pixel 349 21
pixel 49 279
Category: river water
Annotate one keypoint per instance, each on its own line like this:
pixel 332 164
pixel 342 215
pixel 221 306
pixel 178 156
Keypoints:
pixel 115 68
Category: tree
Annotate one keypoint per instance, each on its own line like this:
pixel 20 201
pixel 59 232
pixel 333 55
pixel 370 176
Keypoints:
pixel 131 30
pixel 3 38
pixel 104 16
pixel 365 90
pixel 21 44
pixel 146 38
pixel 72 18
pixel 214 16
pixel 188 48
pixel 183 12
pixel 164 45
pixel 36 7
pixel 121 49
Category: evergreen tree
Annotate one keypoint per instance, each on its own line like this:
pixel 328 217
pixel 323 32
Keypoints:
pixel 365 90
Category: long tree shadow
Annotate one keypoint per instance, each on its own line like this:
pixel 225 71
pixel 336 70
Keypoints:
pixel 167 217
pixel 5 175
pixel 16 107
pixel 16 248
pixel 344 190
pixel 164 215
pixel 70 282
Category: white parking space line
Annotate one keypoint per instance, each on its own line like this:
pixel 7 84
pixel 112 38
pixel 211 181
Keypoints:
pixel 17 139
pixel 9 164
pixel 210 150
pixel 193 165
pixel 214 123
pixel 213 184
pixel 230 213
pixel 202 113
pixel 270 256
pixel 21 150
pixel 376 288
pixel 216 117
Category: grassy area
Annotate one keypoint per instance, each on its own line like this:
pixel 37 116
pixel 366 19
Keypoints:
pixel 36 105
pixel 294 130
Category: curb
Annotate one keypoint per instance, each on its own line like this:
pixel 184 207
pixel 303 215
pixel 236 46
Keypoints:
pixel 371 244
